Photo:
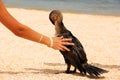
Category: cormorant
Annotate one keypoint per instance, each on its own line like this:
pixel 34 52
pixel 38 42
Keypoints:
pixel 76 56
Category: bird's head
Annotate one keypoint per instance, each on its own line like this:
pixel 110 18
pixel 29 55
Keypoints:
pixel 55 16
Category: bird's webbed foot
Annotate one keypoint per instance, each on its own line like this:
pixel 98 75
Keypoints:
pixel 68 71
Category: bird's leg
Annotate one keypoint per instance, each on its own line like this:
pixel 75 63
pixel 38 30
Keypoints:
pixel 84 71
pixel 68 68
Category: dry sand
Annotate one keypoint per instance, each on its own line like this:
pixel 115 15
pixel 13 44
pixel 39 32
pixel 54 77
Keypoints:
pixel 21 59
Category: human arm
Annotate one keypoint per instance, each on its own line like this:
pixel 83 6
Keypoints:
pixel 24 31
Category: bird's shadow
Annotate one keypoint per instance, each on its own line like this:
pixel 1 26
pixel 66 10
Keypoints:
pixel 95 64
pixel 107 66
pixel 52 71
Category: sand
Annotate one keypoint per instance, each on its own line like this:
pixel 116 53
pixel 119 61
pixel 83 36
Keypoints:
pixel 22 59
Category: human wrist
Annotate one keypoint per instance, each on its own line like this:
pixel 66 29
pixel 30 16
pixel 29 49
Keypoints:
pixel 51 42
pixel 45 40
pixel 48 41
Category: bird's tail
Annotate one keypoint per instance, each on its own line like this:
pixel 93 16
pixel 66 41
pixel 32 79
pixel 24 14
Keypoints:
pixel 93 71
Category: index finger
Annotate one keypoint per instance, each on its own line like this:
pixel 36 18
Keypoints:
pixel 67 39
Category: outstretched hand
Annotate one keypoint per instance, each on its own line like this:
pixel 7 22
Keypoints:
pixel 60 43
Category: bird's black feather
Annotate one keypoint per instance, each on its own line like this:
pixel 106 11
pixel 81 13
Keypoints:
pixel 76 56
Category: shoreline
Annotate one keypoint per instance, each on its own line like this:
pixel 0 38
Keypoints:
pixel 72 12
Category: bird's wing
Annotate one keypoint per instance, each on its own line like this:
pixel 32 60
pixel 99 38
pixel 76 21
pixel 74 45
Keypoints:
pixel 77 49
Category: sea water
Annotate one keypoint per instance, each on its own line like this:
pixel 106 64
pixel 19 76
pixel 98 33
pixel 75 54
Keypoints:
pixel 106 7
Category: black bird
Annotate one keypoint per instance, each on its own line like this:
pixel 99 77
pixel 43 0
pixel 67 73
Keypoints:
pixel 76 56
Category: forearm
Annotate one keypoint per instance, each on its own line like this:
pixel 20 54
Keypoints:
pixel 19 29
pixel 25 32
pixel 32 35
pixel 22 30
pixel 28 33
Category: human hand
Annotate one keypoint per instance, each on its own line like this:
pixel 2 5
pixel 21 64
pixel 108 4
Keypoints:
pixel 60 42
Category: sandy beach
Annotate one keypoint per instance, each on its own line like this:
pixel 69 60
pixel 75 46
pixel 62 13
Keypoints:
pixel 21 59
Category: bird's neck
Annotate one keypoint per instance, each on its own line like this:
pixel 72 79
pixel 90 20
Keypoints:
pixel 60 28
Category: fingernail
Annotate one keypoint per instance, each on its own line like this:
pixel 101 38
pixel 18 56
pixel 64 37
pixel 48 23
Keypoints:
pixel 68 49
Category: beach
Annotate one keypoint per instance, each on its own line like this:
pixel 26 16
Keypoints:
pixel 22 59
